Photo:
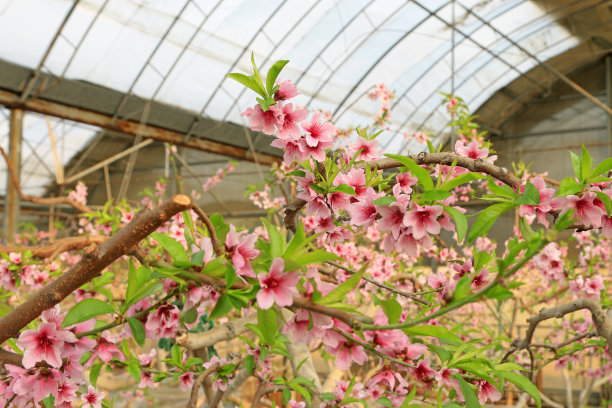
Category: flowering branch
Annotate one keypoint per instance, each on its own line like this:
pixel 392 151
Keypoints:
pixel 95 259
pixel 41 200
pixel 476 165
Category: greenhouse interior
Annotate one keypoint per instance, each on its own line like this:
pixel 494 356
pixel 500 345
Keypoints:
pixel 314 203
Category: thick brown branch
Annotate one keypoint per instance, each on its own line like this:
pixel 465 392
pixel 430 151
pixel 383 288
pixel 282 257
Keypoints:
pixel 476 165
pixel 56 248
pixel 217 334
pixel 40 200
pixel 8 357
pixel 95 259
pixel 234 358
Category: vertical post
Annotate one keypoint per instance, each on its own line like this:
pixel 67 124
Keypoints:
pixel 609 98
pixel 12 196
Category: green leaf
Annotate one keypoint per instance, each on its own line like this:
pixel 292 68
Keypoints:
pixel 137 278
pixel 602 168
pixel 392 309
pixel 268 323
pixel 318 188
pixel 247 81
pixel 174 248
pixel 345 188
pixel 276 239
pixel 503 191
pixel 500 293
pixel 340 292
pixel 94 373
pixel 486 219
pixel 189 316
pixel 223 306
pixel 146 290
pixel 47 402
pixel 138 330
pixel 438 332
pixel 469 394
pixel 297 173
pixel 509 367
pixel 384 200
pixel 256 75
pixel 606 201
pixel 569 186
pixel 577 165
pixel 586 163
pixel 85 310
pixel 525 228
pixel 461 179
pixel 461 224
pixel 430 147
pixel 315 256
pixel 415 169
pixel 134 370
pixel 249 363
pixel 523 383
pixel 215 268
pixel 435 195
pixel 385 402
pixel 221 228
pixel 286 396
pixel 273 73
pixel 462 289
pixel 531 195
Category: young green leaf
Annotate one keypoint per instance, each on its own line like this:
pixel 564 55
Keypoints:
pixel 268 323
pixel 174 248
pixel 392 309
pixel 273 74
pixel 344 288
pixel 85 310
pixel 276 239
pixel 530 196
pixel 223 306
pixel 138 330
pixel 438 332
pixel 383 201
pixel 461 224
pixel 487 218
pixel 602 168
pixel 469 394
pixel 523 383
pixel 577 165
pixel 461 179
pixel 247 81
pixel 569 186
pixel 435 195
pixel 586 162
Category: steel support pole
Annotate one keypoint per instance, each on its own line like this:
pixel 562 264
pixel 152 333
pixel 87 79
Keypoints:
pixel 12 196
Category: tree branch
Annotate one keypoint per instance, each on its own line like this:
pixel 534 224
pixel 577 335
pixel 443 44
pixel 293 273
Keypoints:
pixel 59 246
pixel 211 229
pixel 477 165
pixel 95 259
pixel 40 200
pixel 224 332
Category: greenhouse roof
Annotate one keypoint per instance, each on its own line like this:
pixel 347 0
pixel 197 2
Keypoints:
pixel 113 57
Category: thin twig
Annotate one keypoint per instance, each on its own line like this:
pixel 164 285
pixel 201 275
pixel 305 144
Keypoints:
pixel 211 229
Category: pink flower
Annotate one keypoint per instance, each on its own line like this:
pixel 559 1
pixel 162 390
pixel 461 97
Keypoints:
pixel 66 391
pixel 346 353
pixel 186 380
pixel 423 372
pixel 303 330
pixel 91 399
pixel 423 220
pixel 79 194
pixel 105 349
pixel 470 150
pixel 317 131
pixel 286 90
pixel 593 287
pixel 290 128
pixel 487 392
pixel 164 322
pixel 368 149
pixel 392 218
pixel 546 203
pixel 294 150
pixel 241 248
pixel 364 212
pixel 586 210
pixel 15 257
pixel 406 181
pixel 316 152
pixel 267 121
pixel 277 287
pixel 44 344
pixel 38 385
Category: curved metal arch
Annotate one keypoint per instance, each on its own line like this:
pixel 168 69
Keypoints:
pixel 484 50
pixel 347 57
pixel 530 89
pixel 331 41
pixel 244 50
pixel 236 98
pixel 422 75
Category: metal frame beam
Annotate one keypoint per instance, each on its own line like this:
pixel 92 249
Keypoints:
pixel 133 128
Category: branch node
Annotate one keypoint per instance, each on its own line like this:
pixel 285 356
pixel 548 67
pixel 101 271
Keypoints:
pixel 503 171
pixel 478 163
pixel 447 159
pixel 421 157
